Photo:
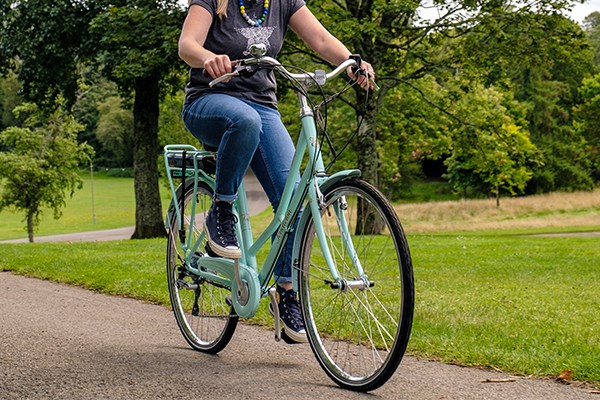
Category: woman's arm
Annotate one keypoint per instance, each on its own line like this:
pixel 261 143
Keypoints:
pixel 191 44
pixel 308 27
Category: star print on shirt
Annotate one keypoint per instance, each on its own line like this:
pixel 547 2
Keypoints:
pixel 257 35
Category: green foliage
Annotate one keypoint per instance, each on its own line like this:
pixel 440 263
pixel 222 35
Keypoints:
pixel 489 151
pixel 93 91
pixel 591 26
pixel 587 116
pixel 527 52
pixel 47 38
pixel 171 129
pixel 138 39
pixel 541 59
pixel 114 131
pixel 9 100
pixel 40 164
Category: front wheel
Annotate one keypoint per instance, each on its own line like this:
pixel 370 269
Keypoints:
pixel 359 327
pixel 201 307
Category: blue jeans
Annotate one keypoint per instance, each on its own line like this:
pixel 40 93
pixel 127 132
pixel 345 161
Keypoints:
pixel 246 134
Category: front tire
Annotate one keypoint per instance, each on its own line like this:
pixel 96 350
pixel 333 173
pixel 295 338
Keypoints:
pixel 358 334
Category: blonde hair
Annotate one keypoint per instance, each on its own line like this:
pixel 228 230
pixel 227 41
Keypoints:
pixel 222 8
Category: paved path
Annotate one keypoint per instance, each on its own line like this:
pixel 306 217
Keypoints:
pixel 64 342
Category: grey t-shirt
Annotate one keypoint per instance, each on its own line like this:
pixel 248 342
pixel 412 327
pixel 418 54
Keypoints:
pixel 232 35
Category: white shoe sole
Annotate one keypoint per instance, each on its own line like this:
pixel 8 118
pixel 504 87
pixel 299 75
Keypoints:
pixel 298 337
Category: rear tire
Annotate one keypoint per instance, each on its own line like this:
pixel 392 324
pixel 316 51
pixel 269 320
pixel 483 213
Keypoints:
pixel 202 309
pixel 359 335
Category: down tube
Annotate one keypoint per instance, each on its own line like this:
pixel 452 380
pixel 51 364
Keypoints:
pixel 307 141
pixel 290 201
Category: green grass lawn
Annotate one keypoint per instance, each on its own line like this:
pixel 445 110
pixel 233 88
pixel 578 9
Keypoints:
pixel 525 305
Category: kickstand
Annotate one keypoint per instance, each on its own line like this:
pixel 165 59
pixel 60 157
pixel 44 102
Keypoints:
pixel 274 309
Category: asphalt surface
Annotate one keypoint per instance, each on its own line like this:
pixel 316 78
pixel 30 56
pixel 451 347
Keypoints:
pixel 65 342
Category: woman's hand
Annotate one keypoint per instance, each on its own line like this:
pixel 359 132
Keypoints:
pixel 218 65
pixel 365 77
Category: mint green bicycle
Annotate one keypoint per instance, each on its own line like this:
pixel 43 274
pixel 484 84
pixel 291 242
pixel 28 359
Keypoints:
pixel 352 267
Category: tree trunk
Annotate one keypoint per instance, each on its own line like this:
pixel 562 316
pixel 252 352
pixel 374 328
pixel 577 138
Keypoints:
pixel 497 195
pixel 30 225
pixel 148 210
pixel 368 163
pixel 368 159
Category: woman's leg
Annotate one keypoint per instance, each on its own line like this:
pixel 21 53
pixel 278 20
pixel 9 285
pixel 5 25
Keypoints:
pixel 234 128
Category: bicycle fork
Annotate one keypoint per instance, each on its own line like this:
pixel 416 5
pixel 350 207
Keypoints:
pixel 317 205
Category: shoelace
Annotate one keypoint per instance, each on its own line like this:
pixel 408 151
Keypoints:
pixel 226 219
pixel 293 310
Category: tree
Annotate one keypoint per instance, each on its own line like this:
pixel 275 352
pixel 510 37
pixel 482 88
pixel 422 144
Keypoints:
pixel 114 131
pixel 587 116
pixel 9 100
pixel 542 59
pixel 591 26
pixel 43 41
pixel 137 47
pixel 94 90
pixel 133 42
pixel 489 152
pixel 40 163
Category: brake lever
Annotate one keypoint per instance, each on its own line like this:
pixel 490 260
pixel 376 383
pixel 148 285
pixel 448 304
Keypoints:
pixel 357 70
pixel 241 69
pixel 223 77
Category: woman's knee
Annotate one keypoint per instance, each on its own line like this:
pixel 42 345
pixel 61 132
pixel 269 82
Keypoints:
pixel 246 123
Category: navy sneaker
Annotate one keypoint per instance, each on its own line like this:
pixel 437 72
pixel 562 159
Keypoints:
pixel 220 228
pixel 290 316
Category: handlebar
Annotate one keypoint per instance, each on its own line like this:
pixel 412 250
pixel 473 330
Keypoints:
pixel 319 76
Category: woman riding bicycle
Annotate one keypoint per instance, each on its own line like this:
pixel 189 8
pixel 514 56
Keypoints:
pixel 240 117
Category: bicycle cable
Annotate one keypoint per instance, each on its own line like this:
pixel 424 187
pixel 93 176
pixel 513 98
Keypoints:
pixel 320 110
pixel 351 83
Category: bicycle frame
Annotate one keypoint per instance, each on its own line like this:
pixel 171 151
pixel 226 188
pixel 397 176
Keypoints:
pixel 313 179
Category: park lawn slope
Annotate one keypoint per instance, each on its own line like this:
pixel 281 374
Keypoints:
pixel 106 203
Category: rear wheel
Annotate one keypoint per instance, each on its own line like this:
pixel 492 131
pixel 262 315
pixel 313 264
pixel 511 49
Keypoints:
pixel 358 329
pixel 202 309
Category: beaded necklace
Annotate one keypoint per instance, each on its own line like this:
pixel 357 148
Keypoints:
pixel 249 20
